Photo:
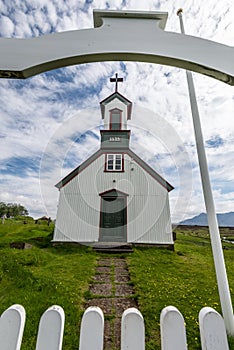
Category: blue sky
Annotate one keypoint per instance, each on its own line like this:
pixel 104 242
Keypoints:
pixel 50 123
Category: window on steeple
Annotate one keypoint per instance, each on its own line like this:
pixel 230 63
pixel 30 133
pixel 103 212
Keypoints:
pixel 115 119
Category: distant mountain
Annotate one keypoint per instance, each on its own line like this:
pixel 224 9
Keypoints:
pixel 226 219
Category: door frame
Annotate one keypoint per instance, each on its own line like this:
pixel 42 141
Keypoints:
pixel 113 193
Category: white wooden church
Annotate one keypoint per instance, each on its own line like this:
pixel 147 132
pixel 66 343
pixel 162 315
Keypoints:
pixel 114 196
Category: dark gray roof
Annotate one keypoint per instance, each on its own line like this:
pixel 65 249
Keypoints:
pixel 97 154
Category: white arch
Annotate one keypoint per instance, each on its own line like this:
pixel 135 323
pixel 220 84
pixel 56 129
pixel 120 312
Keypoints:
pixel 118 35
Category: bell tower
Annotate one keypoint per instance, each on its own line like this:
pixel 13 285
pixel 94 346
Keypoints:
pixel 116 111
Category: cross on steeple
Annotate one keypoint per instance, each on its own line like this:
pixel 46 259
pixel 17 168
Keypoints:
pixel 116 80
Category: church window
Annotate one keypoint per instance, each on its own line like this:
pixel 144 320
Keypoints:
pixel 115 119
pixel 114 162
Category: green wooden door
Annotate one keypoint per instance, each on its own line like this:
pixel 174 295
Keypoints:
pixel 113 219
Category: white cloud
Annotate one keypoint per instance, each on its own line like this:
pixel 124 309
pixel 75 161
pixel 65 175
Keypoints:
pixel 42 115
pixel 6 27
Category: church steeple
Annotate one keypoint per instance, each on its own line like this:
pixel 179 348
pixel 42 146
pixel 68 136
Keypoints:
pixel 116 111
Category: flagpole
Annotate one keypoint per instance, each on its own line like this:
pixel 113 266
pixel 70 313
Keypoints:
pixel 220 269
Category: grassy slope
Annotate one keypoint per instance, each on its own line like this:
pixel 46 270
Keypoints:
pixel 184 278
pixel 45 275
pixel 42 276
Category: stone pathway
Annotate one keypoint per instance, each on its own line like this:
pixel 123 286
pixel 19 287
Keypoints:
pixel 112 292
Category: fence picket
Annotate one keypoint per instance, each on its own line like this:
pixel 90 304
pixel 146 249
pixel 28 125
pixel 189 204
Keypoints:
pixel 12 327
pixel 92 329
pixel 173 334
pixel 132 330
pixel 212 330
pixel 51 326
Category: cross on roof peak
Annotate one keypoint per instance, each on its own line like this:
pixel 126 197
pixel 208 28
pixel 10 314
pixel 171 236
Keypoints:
pixel 116 80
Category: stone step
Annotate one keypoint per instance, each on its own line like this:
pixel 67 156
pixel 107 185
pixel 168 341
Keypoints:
pixel 113 251
pixel 113 247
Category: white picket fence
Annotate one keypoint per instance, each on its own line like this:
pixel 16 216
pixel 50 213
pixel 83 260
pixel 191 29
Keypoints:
pixel 51 326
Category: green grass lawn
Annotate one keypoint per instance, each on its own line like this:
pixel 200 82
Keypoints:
pixel 42 276
pixel 45 275
pixel 184 278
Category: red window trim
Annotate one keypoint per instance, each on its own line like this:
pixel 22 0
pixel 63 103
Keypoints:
pixel 120 113
pixel 114 171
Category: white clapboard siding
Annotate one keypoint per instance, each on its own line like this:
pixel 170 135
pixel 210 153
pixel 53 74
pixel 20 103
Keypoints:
pixel 115 103
pixel 12 327
pixel 148 212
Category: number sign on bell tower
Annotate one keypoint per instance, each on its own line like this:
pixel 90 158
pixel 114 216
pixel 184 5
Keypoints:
pixel 116 111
